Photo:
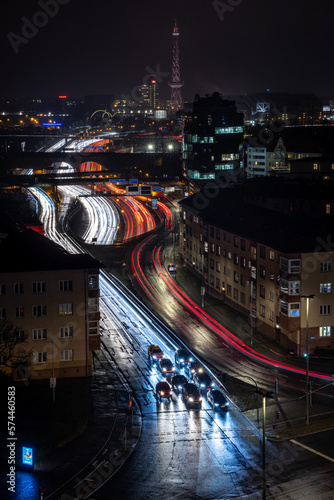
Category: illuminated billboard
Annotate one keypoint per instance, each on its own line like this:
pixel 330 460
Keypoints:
pixel 27 456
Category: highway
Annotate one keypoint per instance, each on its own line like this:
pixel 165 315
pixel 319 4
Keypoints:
pixel 186 453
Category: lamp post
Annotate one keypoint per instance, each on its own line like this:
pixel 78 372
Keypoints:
pixel 307 388
pixel 264 395
pixel 256 392
pixel 251 310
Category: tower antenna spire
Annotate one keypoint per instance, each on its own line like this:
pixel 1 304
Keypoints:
pixel 175 103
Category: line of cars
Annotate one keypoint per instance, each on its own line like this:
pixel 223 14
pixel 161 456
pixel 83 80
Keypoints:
pixel 191 388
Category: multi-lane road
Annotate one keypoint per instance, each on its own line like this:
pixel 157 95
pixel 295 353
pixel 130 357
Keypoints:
pixel 185 453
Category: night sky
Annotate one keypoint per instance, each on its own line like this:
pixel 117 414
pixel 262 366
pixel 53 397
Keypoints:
pixel 105 47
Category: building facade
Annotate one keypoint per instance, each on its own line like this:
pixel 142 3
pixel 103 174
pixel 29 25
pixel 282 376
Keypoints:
pixel 213 133
pixel 264 262
pixel 53 297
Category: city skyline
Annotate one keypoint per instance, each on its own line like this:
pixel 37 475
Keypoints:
pixel 53 47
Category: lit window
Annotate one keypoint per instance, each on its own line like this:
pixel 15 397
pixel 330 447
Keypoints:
pixel 93 282
pixel 325 287
pixel 324 331
pixel 65 308
pixel 294 310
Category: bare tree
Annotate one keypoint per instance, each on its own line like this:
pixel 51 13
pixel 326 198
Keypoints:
pixel 13 346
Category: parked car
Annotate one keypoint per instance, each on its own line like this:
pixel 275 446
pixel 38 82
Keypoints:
pixel 203 381
pixel 217 399
pixel 191 395
pixel 177 382
pixel 163 390
pixel 182 357
pixel 166 366
pixel 154 352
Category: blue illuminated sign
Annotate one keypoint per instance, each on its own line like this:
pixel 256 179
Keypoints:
pixel 133 181
pixel 157 189
pixel 52 124
pixel 116 181
pixel 27 456
pixel 154 203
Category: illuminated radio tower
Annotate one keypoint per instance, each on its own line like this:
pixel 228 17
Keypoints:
pixel 175 102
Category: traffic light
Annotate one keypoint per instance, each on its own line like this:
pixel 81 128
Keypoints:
pixel 42 492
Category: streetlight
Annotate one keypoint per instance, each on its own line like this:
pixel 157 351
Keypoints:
pixel 251 310
pixel 307 297
pixel 256 392
pixel 264 395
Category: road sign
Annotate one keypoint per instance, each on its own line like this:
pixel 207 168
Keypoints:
pixel 154 203
pixel 157 189
pixel 53 382
pixel 116 181
pixel 132 190
pixel 145 190
pixel 133 181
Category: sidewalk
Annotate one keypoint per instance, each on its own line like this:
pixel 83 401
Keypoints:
pixel 76 470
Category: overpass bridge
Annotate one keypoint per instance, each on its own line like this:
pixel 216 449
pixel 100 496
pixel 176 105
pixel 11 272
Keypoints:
pixel 124 165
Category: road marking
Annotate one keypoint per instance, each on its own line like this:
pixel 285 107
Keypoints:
pixel 312 450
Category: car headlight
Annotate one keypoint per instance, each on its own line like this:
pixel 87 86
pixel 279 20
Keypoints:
pixel 191 400
pixel 154 356
pixel 164 369
pixel 212 384
pixel 182 360
pixel 162 393
pixel 216 404
pixel 227 404
pixel 190 359
pixel 200 399
pixel 179 386
pixel 202 385
pixel 200 370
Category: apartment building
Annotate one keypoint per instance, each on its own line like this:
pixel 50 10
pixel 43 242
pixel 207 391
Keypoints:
pixel 53 296
pixel 262 252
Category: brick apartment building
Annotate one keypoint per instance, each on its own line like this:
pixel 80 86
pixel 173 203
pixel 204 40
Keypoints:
pixel 260 247
pixel 53 296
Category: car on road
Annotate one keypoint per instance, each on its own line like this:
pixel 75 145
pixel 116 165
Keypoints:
pixel 177 382
pixel 191 395
pixel 217 400
pixel 163 390
pixel 182 357
pixel 203 381
pixel 166 366
pixel 193 367
pixel 154 352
